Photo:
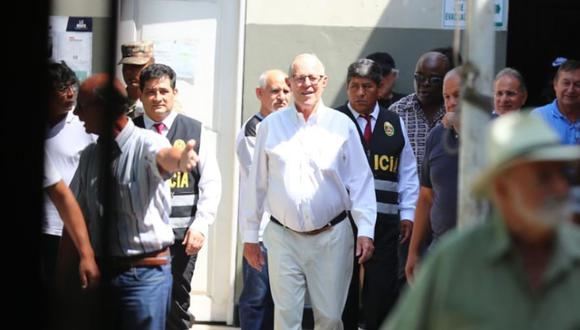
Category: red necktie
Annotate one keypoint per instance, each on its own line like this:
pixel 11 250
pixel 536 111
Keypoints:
pixel 368 131
pixel 159 127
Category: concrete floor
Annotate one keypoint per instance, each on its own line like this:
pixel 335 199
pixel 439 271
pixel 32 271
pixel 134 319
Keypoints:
pixel 212 327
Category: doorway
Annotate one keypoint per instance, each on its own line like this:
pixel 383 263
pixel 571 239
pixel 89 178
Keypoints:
pixel 539 31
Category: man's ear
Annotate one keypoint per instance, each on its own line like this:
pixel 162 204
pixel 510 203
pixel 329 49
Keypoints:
pixel 259 93
pixel 325 81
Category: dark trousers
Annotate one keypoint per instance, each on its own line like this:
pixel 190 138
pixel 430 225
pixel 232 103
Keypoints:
pixel 49 252
pixel 381 281
pixel 182 267
pixel 380 289
pixel 256 306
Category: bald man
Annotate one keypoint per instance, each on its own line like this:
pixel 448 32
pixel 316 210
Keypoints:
pixel 256 306
pixel 309 169
pixel 424 109
pixel 436 210
pixel 132 244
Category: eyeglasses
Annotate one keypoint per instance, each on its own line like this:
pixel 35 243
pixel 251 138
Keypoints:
pixel 314 80
pixel 433 80
pixel 65 88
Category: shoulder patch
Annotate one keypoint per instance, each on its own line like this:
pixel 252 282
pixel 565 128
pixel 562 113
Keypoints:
pixel 251 126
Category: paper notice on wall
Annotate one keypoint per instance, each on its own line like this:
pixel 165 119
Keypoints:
pixel 181 55
pixel 71 41
pixel 188 46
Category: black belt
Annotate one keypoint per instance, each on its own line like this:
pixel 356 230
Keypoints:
pixel 331 223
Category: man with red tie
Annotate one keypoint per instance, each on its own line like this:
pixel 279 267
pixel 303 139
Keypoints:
pixel 394 168
pixel 195 194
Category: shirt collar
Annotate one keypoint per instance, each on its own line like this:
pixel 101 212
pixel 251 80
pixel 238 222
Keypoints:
pixel 168 121
pixel 374 114
pixel 500 245
pixel 566 248
pixel 556 111
pixel 69 117
pixel 416 107
pixel 314 116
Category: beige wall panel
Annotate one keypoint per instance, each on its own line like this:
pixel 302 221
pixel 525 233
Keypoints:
pixel 356 13
pixel 274 46
pixel 98 8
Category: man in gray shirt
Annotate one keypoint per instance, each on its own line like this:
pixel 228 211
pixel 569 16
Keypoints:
pixel 131 245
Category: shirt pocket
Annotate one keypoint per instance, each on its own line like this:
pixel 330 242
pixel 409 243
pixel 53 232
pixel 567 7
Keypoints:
pixel 128 205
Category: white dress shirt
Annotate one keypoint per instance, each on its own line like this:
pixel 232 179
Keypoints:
pixel 408 186
pixel 209 177
pixel 307 172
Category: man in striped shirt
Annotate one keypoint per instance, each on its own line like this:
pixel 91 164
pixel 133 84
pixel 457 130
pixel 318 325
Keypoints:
pixel 422 110
pixel 132 240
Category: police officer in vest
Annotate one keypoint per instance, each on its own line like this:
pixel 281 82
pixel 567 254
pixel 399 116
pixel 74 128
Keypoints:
pixel 195 194
pixel 394 167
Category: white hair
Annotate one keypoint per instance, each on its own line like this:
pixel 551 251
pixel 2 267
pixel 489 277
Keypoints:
pixel 309 55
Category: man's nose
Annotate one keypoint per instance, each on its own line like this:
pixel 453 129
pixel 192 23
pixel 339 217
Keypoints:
pixel 70 92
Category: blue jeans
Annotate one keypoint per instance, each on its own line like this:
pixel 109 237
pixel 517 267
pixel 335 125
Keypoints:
pixel 141 297
pixel 256 304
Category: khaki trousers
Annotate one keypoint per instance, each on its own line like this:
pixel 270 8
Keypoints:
pixel 321 263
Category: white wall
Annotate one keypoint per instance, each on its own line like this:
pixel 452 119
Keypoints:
pixel 347 13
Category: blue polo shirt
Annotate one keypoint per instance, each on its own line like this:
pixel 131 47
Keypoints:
pixel 569 132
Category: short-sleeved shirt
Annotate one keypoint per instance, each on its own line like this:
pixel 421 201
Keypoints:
pixel 64 143
pixel 418 126
pixel 140 222
pixel 440 173
pixel 569 132
pixel 51 175
pixel 474 279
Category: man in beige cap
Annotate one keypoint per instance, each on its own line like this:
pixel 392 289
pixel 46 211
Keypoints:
pixel 136 57
pixel 521 268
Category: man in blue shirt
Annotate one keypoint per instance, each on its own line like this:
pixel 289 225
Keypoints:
pixel 563 114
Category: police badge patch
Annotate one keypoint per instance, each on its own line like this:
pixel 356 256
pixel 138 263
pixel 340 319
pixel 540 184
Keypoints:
pixel 389 129
pixel 179 143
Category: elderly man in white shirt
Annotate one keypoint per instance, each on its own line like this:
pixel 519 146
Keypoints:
pixel 308 170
